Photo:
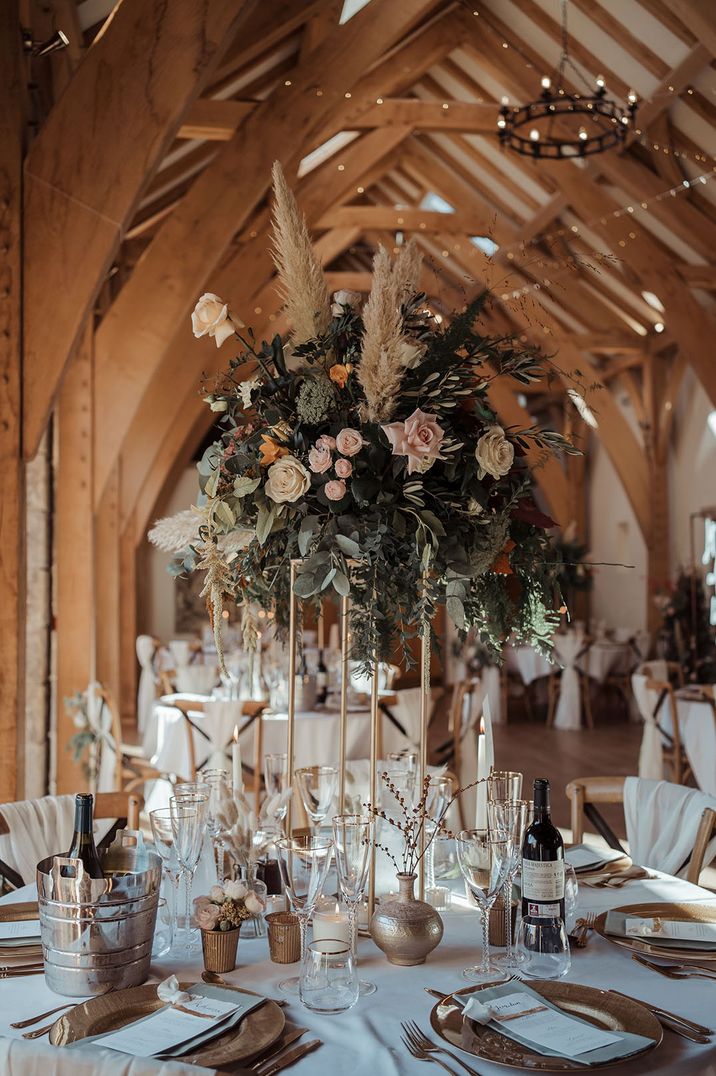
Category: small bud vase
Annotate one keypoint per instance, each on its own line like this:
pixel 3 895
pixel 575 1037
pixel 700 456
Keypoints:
pixel 219 948
pixel 405 928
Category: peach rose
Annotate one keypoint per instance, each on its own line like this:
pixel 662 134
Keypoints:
pixel 287 481
pixel 344 468
pixel 349 442
pixel 494 453
pixel 326 441
pixel 335 490
pixel 419 438
pixel 338 374
pixel 319 459
pixel 211 317
pixel 207 916
pixel 270 450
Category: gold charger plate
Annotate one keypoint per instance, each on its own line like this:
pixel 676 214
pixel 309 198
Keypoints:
pixel 257 1031
pixel 599 1007
pixel 19 913
pixel 699 913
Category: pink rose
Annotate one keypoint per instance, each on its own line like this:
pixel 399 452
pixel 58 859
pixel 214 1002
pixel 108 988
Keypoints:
pixel 419 438
pixel 349 442
pixel 207 916
pixel 319 459
pixel 335 490
pixel 344 468
pixel 326 441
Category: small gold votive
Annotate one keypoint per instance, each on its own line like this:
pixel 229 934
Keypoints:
pixel 497 921
pixel 284 937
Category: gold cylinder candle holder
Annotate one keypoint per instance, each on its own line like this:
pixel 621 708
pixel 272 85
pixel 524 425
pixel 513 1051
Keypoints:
pixel 284 937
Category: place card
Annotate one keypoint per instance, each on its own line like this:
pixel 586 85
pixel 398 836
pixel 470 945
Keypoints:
pixel 542 1026
pixel 19 929
pixel 677 930
pixel 170 1027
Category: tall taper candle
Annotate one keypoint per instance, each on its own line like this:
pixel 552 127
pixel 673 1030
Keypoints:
pixel 237 777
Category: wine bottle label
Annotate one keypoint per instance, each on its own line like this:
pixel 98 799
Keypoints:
pixel 543 881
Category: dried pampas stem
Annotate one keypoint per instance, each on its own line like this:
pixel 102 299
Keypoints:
pixel 406 271
pixel 303 286
pixel 217 583
pixel 174 533
pixel 381 368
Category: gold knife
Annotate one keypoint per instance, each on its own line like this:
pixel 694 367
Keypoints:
pixel 276 1048
pixel 291 1057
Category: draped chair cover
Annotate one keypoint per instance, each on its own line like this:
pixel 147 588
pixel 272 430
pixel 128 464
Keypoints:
pixel 146 693
pixel 38 828
pixel 567 649
pixel 662 820
pixel 651 759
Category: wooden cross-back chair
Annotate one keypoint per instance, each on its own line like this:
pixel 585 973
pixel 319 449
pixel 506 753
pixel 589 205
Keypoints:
pixel 132 769
pixel 672 750
pixel 122 807
pixel 584 793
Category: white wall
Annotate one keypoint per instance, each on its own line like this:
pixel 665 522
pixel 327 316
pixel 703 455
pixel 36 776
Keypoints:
pixel 159 594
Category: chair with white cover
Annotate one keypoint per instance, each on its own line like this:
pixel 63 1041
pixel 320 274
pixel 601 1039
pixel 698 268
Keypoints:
pixel 572 689
pixel 122 766
pixel 21 1058
pixel 661 742
pixel 31 830
pixel 146 648
pixel 669 827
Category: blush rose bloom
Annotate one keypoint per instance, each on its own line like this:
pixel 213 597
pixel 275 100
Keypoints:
pixel 494 453
pixel 207 916
pixel 287 480
pixel 211 317
pixel 319 459
pixel 335 490
pixel 342 299
pixel 419 438
pixel 344 468
pixel 349 442
pixel 326 441
pixel 216 893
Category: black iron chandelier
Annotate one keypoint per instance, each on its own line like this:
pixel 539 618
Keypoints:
pixel 563 125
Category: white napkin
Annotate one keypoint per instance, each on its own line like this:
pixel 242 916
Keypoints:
pixel 475 1010
pixel 168 991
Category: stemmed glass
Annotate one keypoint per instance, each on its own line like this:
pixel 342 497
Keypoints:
pixel 352 838
pixel 436 804
pixel 504 785
pixel 163 834
pixel 404 760
pixel 304 862
pixel 218 785
pixel 484 859
pixel 317 785
pixel 188 815
pixel 511 817
pixel 276 778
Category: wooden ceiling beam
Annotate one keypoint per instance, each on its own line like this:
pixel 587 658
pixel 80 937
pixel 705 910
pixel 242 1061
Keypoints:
pixel 84 176
pixel 404 220
pixel 137 332
pixel 610 342
pixel 698 276
pixel 700 18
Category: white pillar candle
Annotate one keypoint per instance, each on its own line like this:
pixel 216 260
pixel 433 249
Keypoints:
pixel 482 772
pixel 237 779
pixel 331 922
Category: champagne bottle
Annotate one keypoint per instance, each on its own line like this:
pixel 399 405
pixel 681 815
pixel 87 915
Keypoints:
pixel 83 846
pixel 544 937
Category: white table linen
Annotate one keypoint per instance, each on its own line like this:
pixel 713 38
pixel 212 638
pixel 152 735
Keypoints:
pixel 569 705
pixel 368 1036
pixel 605 657
pixel 527 663
pixel 662 820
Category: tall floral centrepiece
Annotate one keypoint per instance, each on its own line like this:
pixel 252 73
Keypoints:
pixel 366 448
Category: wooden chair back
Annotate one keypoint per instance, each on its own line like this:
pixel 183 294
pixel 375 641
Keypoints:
pixel 674 671
pixel 673 751
pixel 584 792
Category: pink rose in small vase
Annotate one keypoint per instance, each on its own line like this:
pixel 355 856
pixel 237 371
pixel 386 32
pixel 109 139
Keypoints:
pixel 207 916
pixel 419 438
pixel 349 442
pixel 344 468
pixel 319 459
pixel 335 490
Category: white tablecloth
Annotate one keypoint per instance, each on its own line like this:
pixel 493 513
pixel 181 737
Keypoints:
pixel 606 657
pixel 527 663
pixel 368 1036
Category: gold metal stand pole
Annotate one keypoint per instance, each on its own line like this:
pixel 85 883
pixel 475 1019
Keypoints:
pixel 374 719
pixel 424 718
pixel 343 729
pixel 292 646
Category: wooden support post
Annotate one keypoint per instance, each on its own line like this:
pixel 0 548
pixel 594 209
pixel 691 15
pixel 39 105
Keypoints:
pixel 107 587
pixel 12 82
pixel 655 382
pixel 128 623
pixel 74 551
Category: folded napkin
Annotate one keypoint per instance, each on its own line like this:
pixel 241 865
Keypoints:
pixel 585 858
pixel 526 1017
pixel 616 924
pixel 168 990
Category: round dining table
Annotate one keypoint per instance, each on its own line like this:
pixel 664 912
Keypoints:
pixel 367 1038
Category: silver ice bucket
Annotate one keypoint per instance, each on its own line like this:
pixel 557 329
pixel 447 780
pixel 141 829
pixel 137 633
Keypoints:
pixel 97 933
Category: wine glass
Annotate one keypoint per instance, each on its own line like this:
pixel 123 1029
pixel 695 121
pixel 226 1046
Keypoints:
pixel 276 778
pixel 484 859
pixel 188 826
pixel 437 801
pixel 511 817
pixel 504 785
pixel 317 785
pixel 352 839
pixel 163 834
pixel 304 862
pixel 404 760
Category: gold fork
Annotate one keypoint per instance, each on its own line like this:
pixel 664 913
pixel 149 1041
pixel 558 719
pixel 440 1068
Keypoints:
pixel 35 1019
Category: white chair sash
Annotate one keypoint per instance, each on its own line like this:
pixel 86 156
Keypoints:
pixel 651 759
pixel 569 707
pixel 180 650
pixel 146 693
pixel 662 820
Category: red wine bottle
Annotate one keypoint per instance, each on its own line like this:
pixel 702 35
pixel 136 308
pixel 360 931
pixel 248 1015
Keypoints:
pixel 542 861
pixel 83 846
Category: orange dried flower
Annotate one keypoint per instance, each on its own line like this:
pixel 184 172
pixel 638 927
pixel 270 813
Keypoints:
pixel 270 450
pixel 501 564
pixel 338 373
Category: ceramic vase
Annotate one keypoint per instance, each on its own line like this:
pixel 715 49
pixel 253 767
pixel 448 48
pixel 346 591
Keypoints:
pixel 405 928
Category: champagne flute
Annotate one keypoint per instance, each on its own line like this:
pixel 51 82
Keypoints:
pixel 163 834
pixel 484 860
pixel 317 785
pixel 437 802
pixel 504 785
pixel 352 839
pixel 511 817
pixel 188 815
pixel 304 862
pixel 276 779
pixel 217 782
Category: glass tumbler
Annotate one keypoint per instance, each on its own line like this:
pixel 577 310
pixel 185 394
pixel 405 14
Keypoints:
pixel 329 979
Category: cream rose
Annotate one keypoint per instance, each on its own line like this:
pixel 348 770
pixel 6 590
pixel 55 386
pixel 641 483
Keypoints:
pixel 235 890
pixel 494 453
pixel 287 480
pixel 410 354
pixel 319 459
pixel 216 893
pixel 211 317
pixel 335 490
pixel 344 468
pixel 254 904
pixel 342 299
pixel 349 442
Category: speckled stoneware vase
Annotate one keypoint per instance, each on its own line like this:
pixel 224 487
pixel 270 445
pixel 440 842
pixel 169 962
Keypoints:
pixel 406 929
